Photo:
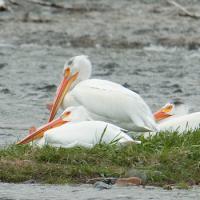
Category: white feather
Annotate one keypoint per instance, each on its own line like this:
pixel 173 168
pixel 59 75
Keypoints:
pixel 108 101
pixel 181 124
pixel 86 133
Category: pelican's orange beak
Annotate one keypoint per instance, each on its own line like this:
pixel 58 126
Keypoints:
pixel 163 113
pixel 38 133
pixel 62 91
pixel 159 115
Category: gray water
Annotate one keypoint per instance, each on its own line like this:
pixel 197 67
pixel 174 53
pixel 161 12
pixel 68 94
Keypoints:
pixel 31 73
pixel 83 192
pixel 143 45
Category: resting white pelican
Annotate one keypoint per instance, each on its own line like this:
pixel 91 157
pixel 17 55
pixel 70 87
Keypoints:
pixel 177 119
pixel 77 132
pixel 87 134
pixel 182 123
pixel 103 100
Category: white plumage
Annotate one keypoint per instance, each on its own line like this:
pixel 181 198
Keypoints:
pixel 80 132
pixel 85 133
pixel 105 100
pixel 180 124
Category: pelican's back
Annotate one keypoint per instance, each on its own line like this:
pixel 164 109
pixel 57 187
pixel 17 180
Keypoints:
pixel 182 123
pixel 111 102
pixel 85 133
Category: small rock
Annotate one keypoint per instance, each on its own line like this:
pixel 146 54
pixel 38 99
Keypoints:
pixel 3 5
pixel 109 181
pixel 167 187
pixel 129 181
pixel 31 181
pixel 101 185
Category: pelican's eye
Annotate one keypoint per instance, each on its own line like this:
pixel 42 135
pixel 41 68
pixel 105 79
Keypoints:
pixel 70 62
pixel 65 114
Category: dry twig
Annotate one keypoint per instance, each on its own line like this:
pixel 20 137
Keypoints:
pixel 49 4
pixel 184 10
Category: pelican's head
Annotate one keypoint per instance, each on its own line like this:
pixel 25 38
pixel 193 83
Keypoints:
pixel 38 133
pixel 71 114
pixel 173 108
pixel 81 65
pixel 75 114
pixel 76 69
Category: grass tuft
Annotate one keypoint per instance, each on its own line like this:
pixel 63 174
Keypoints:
pixel 166 159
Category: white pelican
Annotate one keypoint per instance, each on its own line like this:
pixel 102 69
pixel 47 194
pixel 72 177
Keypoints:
pixel 103 100
pixel 77 132
pixel 87 134
pixel 182 123
pixel 177 119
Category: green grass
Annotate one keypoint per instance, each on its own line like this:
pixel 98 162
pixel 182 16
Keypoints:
pixel 164 159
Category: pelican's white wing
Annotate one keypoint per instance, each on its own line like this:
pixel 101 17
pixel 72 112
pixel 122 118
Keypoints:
pixel 86 133
pixel 111 102
pixel 181 124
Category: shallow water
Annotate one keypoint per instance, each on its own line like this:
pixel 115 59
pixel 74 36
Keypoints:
pixel 143 45
pixel 83 192
pixel 30 74
pixel 152 58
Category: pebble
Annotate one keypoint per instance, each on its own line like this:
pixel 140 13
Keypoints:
pixel 31 181
pixel 101 185
pixel 129 181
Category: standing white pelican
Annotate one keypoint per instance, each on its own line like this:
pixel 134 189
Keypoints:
pixel 77 132
pixel 103 100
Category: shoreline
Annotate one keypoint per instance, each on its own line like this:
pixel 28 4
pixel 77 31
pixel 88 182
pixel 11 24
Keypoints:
pixel 166 160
